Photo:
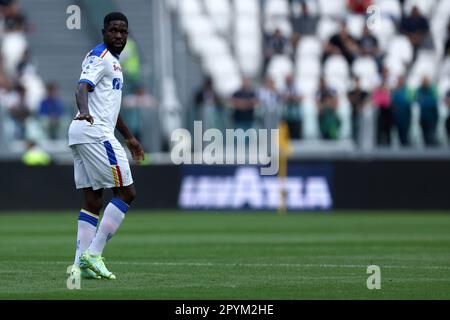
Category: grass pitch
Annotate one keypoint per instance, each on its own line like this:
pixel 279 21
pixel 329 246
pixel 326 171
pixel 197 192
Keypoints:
pixel 168 255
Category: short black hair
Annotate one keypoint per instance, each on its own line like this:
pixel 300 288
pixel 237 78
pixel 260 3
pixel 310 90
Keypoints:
pixel 114 16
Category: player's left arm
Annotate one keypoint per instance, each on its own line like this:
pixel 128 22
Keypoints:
pixel 132 143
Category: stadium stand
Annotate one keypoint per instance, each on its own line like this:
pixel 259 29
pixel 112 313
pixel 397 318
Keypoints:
pixel 229 39
pixel 303 56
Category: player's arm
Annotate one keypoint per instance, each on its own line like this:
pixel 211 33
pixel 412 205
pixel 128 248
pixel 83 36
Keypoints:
pixel 135 147
pixel 81 96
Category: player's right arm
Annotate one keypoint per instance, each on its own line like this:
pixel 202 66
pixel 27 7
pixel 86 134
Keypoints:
pixel 82 102
pixel 92 71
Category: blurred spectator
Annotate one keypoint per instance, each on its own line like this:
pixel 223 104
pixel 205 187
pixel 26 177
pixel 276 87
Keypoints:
pixel 447 41
pixel 306 24
pixel 18 110
pixel 292 100
pixel 402 100
pixel 329 122
pixel 357 98
pixel 368 45
pixel 208 105
pixel 133 104
pixel 275 43
pixel 417 29
pixel 427 98
pixel 26 64
pixel 447 121
pixel 358 6
pixel 381 98
pixel 14 19
pixel 342 43
pixel 131 64
pixel 35 156
pixel 4 82
pixel 244 102
pixel 51 111
pixel 270 104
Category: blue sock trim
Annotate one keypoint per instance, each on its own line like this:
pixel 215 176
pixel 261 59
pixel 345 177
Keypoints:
pixel 89 219
pixel 122 206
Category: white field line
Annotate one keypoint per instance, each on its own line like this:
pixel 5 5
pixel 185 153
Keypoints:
pixel 257 265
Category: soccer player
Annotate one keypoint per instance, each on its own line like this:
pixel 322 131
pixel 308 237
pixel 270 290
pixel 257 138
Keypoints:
pixel 100 162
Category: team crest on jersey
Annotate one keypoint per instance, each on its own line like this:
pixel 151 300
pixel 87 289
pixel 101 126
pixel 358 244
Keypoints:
pixel 117 84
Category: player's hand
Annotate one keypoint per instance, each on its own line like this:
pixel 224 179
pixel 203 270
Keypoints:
pixel 135 148
pixel 86 117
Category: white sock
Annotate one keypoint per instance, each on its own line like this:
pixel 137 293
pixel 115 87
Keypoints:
pixel 87 225
pixel 112 218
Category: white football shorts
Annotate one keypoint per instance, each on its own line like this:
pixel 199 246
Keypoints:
pixel 101 165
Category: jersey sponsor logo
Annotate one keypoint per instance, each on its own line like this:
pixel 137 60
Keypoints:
pixel 117 84
pixel 117 68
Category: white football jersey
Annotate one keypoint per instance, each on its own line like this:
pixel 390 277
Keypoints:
pixel 101 69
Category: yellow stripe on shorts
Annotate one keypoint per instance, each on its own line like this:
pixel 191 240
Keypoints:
pixel 114 172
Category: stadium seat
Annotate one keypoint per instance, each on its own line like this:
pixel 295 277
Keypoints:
pixel 309 46
pixel 400 47
pixel 326 28
pixel 384 31
pixel 395 66
pixel 424 66
pixel 355 25
pixel 444 69
pixel 213 46
pixel 247 41
pixel 280 66
pixel 225 73
pixel 198 25
pixel 336 72
pixel 366 69
pixel 335 8
pixel 307 73
pixel 309 66
pixel 220 13
pixel 444 85
pixel 189 7
pixel 247 7
pixel 390 8
pixel 276 9
pixel 442 10
pixel 249 55
pixel 309 114
pixel 199 29
pixel 344 112
pixel 247 25
pixel 438 30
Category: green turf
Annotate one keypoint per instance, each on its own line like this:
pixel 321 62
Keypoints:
pixel 170 255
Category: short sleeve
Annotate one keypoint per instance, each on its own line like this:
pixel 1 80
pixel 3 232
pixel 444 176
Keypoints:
pixel 92 71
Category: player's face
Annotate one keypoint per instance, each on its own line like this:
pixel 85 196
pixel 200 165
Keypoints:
pixel 115 36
